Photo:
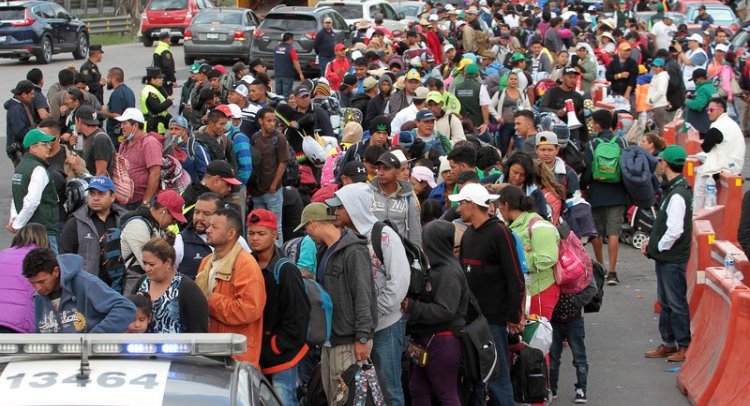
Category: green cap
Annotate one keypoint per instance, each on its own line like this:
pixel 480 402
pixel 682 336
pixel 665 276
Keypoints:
pixel 36 136
pixel 435 97
pixel 659 7
pixel 472 69
pixel 517 56
pixel 195 68
pixel 314 212
pixel 674 154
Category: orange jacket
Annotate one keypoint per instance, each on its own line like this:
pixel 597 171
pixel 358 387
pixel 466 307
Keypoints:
pixel 236 303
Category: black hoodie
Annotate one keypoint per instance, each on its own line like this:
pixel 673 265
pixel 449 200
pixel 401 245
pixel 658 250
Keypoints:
pixel 445 309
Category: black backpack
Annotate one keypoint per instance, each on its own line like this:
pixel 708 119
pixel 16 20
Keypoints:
pixel 112 265
pixel 596 302
pixel 419 285
pixel 528 374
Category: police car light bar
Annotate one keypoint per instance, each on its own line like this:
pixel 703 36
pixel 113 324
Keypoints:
pixel 124 344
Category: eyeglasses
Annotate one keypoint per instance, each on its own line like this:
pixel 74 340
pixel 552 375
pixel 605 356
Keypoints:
pixel 47 145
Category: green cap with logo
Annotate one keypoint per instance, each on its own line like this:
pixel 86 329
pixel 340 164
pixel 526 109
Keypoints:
pixel 314 212
pixel 674 154
pixel 36 136
pixel 195 68
pixel 472 69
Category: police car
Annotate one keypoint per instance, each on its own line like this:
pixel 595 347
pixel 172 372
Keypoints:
pixel 129 369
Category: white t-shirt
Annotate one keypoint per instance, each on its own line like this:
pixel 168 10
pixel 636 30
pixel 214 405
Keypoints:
pixel 663 33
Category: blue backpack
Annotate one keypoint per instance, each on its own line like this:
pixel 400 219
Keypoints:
pixel 521 253
pixel 321 307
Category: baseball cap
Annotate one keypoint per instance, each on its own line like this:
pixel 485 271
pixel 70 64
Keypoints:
pixel 369 83
pixel 224 109
pixel 517 56
pixel 262 218
pixel 205 68
pixel 23 86
pixel 571 71
pixel 423 21
pixel 695 37
pixel 448 47
pixel 433 17
pixel 101 183
pixel 435 97
pixel 220 68
pixel 236 111
pixel 722 48
pixel 96 48
pixel 699 73
pixel 412 74
pixel 421 93
pixel 674 154
pixel 339 47
pixel 475 193
pixel 131 113
pixel 179 121
pixel 425 115
pixel 87 114
pixel 488 54
pixel 659 7
pixel 472 69
pixel 315 212
pixel 194 68
pixel 424 174
pixel 449 7
pixel 658 62
pixel 223 170
pixel 399 154
pixel 241 89
pixel 302 92
pixel 355 170
pixel 389 160
pixel 349 79
pixel 546 138
pixel 173 202
pixel 36 136
pixel 472 10
pixel 624 46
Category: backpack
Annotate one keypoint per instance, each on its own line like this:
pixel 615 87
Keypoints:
pixel 112 264
pixel 596 302
pixel 605 167
pixel 419 284
pixel 366 388
pixel 315 395
pixel 124 186
pixel 574 266
pixel 291 249
pixel 321 307
pixel 528 374
pixel 520 252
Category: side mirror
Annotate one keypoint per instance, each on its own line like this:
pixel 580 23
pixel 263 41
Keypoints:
pixel 401 16
pixel 352 28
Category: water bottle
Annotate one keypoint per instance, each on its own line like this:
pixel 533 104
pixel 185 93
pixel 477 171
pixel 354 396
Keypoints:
pixel 729 266
pixel 79 142
pixel 710 200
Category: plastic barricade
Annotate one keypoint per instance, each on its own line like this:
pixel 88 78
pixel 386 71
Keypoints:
pixel 692 142
pixel 689 170
pixel 669 134
pixel 719 251
pixel 729 188
pixel 700 259
pixel 714 336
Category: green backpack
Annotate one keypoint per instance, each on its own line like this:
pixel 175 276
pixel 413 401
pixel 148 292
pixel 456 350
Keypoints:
pixel 606 163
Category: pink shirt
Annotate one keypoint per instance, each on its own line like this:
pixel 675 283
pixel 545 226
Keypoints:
pixel 142 154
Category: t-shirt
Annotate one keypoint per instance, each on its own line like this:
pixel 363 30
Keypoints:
pixel 142 154
pixel 664 34
pixel 38 102
pixel 98 147
pixel 273 149
pixel 120 99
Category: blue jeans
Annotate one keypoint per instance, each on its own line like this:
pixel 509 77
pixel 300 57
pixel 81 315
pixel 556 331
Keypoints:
pixel 503 136
pixel 285 385
pixel 275 203
pixel 284 86
pixel 500 388
pixel 674 318
pixel 575 332
pixel 53 244
pixel 323 61
pixel 387 346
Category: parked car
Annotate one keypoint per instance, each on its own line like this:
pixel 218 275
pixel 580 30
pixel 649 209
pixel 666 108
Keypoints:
pixel 723 15
pixel 355 10
pixel 683 5
pixel 304 23
pixel 40 29
pixel 173 16
pixel 220 33
pixel 411 9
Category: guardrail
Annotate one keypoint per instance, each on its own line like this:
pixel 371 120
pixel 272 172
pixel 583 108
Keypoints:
pixel 106 25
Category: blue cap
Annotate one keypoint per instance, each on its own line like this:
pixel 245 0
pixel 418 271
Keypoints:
pixel 179 121
pixel 425 114
pixel 658 62
pixel 102 184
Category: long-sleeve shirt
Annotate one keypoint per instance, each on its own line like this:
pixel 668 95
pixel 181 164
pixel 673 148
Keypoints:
pixel 675 223
pixel 31 201
pixel 244 157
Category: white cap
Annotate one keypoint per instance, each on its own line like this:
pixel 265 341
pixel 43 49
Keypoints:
pixel 400 155
pixel 248 79
pixel 433 17
pixel 236 111
pixel 448 47
pixel 722 48
pixel 459 23
pixel 356 55
pixel 131 113
pixel 449 7
pixel 696 37
pixel 482 2
pixel 475 193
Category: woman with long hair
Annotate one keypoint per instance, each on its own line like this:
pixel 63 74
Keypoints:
pixel 554 193
pixel 520 172
pixel 653 143
pixel 504 105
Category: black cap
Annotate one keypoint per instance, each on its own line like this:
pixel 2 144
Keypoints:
pixel 380 123
pixel 214 73
pixel 23 86
pixel 205 68
pixel 356 171
pixel 163 34
pixel 699 73
pixel 87 114
pixel 349 79
pixel 571 71
pixel 223 170
pixel 153 72
pixel 389 160
pixel 96 47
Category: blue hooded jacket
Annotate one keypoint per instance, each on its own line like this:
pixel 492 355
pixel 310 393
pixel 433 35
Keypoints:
pixel 87 304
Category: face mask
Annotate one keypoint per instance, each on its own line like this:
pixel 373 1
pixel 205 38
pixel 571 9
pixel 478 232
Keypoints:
pixel 228 126
pixel 130 136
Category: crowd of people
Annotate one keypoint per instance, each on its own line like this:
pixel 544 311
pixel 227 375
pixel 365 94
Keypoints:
pixel 472 134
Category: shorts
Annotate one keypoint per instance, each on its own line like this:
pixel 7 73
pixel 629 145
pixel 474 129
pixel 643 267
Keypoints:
pixel 608 220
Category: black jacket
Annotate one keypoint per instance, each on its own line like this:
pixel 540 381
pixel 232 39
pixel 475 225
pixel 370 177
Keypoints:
pixel 375 107
pixel 360 103
pixel 616 67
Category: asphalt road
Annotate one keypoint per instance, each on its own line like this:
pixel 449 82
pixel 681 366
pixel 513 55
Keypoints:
pixel 616 338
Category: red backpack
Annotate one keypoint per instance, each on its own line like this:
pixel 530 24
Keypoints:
pixel 574 266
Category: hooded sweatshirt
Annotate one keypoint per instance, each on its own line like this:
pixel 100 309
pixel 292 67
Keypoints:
pixel 391 276
pixel 376 106
pixel 18 123
pixel 87 305
pixel 400 208
pixel 446 308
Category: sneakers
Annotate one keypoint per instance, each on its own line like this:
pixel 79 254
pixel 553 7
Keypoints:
pixel 612 279
pixel 662 351
pixel 678 356
pixel 580 396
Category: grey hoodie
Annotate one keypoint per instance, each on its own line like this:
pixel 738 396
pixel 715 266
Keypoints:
pixel 391 276
pixel 401 209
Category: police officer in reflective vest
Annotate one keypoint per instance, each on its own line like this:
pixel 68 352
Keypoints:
pixel 91 74
pixel 155 102
pixel 164 59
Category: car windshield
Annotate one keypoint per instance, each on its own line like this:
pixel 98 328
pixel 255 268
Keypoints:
pixel 290 22
pixel 218 17
pixel 166 5
pixel 348 11
pixel 740 40
pixel 410 11
pixel 12 14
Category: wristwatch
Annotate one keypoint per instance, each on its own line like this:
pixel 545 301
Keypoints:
pixel 363 340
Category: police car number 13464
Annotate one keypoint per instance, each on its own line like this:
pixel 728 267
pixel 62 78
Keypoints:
pixel 105 380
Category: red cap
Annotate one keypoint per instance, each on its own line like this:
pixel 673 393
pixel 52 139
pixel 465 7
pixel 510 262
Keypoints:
pixel 262 218
pixel 224 109
pixel 173 202
pixel 221 69
pixel 339 47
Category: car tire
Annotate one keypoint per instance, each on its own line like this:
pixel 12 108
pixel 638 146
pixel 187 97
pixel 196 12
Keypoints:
pixel 174 41
pixel 44 54
pixel 82 51
pixel 189 60
pixel 148 41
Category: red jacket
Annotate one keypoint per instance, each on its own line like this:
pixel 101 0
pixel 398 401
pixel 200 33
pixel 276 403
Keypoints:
pixel 433 42
pixel 335 72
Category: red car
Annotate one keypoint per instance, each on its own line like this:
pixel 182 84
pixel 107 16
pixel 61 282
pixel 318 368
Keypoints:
pixel 173 16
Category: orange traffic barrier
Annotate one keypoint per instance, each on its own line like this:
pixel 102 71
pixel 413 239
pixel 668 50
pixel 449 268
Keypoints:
pixel 719 251
pixel 729 188
pixel 692 142
pixel 669 134
pixel 714 336
pixel 700 259
pixel 688 170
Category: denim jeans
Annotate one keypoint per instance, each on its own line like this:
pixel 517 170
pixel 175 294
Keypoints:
pixel 275 203
pixel 285 385
pixel 575 332
pixel 671 290
pixel 323 61
pixel 284 86
pixel 53 244
pixel 387 346
pixel 500 388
